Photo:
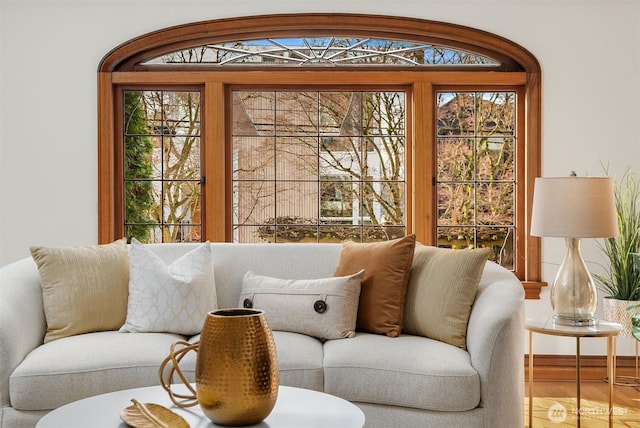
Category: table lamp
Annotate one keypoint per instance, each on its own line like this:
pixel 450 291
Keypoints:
pixel 574 208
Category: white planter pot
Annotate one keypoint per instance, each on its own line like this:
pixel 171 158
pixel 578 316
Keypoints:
pixel 616 311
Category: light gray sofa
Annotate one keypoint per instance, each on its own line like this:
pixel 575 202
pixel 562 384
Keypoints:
pixel 407 381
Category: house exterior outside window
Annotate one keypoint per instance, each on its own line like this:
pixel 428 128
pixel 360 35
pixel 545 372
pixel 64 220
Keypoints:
pixel 318 166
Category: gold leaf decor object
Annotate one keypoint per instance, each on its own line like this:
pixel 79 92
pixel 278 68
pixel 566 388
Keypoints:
pixel 151 415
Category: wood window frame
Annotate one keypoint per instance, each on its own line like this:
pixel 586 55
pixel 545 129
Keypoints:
pixel 121 69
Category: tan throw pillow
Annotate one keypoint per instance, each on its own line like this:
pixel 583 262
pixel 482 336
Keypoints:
pixel 325 308
pixel 386 271
pixel 442 288
pixel 84 289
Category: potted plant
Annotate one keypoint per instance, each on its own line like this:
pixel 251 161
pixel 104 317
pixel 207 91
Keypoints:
pixel 621 282
pixel 635 309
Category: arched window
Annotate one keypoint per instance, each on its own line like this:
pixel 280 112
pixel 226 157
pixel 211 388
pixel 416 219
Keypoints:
pixel 322 127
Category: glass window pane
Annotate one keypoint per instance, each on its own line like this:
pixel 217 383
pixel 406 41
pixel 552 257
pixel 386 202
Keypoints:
pixel 153 105
pixel 341 155
pixel 181 202
pixel 501 242
pixel 181 160
pixel 253 158
pixel 323 50
pixel 288 233
pixel 495 203
pixel 138 151
pixel 139 200
pixel 456 113
pixel 476 169
pixel 496 113
pixel 145 234
pixel 394 232
pixel 180 113
pixel 318 169
pixel 254 234
pixel 455 159
pixel 157 165
pixel 181 233
pixel 383 113
pixel 135 117
pixel 297 113
pixel 287 229
pixel 340 113
pixel 339 233
pixel 456 204
pixel 383 202
pixel 382 233
pixel 456 238
pixel 253 113
pixel 337 199
pixel 496 159
pixel 254 202
pixel 162 165
pixel 297 199
pixel 384 157
pixel 297 158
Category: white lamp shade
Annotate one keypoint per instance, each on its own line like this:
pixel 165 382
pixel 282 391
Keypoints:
pixel 574 207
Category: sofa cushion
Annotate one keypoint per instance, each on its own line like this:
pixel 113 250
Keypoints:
pixel 76 367
pixel 325 308
pixel 84 289
pixel 407 371
pixel 386 271
pixel 299 360
pixel 171 298
pixel 442 288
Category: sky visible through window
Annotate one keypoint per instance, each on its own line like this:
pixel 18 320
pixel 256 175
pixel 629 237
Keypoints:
pixel 333 51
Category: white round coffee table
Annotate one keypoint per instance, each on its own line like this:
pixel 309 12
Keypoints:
pixel 295 408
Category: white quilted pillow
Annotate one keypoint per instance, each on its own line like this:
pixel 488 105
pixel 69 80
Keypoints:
pixel 174 298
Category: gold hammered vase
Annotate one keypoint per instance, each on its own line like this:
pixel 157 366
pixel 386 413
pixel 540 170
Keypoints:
pixel 236 368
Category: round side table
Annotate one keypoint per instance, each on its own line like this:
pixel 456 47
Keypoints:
pixel 608 330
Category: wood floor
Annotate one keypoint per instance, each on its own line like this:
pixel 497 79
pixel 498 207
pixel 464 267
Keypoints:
pixel 591 390
pixel 594 393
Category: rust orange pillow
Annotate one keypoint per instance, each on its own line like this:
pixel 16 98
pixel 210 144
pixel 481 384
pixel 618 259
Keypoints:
pixel 386 272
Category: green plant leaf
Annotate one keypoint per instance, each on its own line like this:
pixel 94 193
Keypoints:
pixel 622 279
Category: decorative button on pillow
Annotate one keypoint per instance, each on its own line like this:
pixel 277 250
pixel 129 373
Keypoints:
pixel 325 308
pixel 174 298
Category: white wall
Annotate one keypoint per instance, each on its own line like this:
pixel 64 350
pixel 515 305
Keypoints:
pixel 50 50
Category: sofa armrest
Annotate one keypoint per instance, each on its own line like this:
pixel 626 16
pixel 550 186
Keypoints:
pixel 22 320
pixel 495 342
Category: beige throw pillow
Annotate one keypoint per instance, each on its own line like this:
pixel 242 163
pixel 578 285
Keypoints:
pixel 442 288
pixel 325 308
pixel 84 289
pixel 387 265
